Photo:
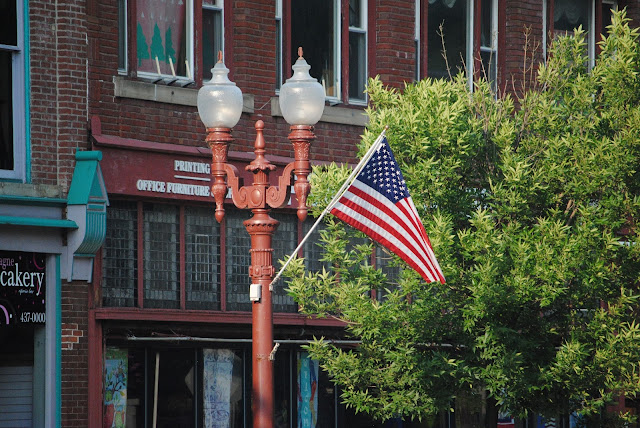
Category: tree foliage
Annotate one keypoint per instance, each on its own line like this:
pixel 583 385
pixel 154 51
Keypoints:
pixel 531 206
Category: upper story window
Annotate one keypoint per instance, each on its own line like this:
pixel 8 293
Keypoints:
pixel 212 34
pixel 12 91
pixel 357 50
pixel 451 47
pixel 315 25
pixel 567 15
pixel 337 52
pixel 161 45
pixel 164 38
pixel 449 24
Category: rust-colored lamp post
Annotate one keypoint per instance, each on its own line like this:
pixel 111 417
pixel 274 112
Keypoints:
pixel 220 107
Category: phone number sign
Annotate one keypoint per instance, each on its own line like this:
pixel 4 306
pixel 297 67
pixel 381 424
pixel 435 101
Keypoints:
pixel 22 288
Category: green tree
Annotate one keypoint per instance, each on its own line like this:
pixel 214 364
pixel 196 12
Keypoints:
pixel 531 207
pixel 169 51
pixel 157 49
pixel 142 50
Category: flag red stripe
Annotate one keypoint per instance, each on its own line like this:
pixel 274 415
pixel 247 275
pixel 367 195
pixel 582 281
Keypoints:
pixel 391 210
pixel 382 240
pixel 418 249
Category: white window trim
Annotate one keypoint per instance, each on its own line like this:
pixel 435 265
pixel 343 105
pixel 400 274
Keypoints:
pixel 217 6
pixel 18 101
pixel 493 48
pixel 124 70
pixel 416 39
pixel 337 52
pixel 147 75
pixel 591 36
pixel 279 48
pixel 363 29
pixel 470 53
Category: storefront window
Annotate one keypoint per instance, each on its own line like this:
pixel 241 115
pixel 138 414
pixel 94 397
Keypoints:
pixel 238 260
pixel 180 248
pixel 202 235
pixel 161 250
pixel 119 257
pixel 285 241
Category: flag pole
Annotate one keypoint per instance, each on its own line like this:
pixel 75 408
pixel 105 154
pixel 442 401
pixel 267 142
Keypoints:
pixel 344 187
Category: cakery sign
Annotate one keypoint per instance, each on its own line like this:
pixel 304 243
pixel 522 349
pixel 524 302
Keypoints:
pixel 22 288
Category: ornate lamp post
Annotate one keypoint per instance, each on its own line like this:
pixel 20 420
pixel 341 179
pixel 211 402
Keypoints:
pixel 220 107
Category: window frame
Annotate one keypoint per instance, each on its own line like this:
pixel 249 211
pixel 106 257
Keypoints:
pixel 473 47
pixel 190 34
pixel 279 46
pixel 416 41
pixel 19 67
pixel 493 49
pixel 363 30
pixel 219 7
pixel 340 47
pixel 594 30
pixel 123 36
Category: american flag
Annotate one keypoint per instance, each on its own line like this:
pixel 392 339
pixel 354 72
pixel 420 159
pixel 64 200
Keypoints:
pixel 378 203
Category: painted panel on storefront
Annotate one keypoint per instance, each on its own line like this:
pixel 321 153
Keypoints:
pixel 22 288
pixel 307 391
pixel 218 386
pixel 116 376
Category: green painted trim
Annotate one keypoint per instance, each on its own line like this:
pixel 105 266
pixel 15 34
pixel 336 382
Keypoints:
pixel 32 200
pixel 93 155
pixel 37 222
pixel 58 344
pixel 27 94
pixel 95 233
pixel 87 181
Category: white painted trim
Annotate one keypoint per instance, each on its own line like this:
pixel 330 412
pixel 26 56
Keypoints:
pixel 18 102
pixel 469 38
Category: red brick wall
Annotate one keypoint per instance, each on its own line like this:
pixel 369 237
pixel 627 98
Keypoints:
pixel 59 88
pixel 395 57
pixel 523 42
pixel 75 357
pixel 251 57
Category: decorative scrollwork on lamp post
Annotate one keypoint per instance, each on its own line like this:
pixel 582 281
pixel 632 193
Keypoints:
pixel 220 108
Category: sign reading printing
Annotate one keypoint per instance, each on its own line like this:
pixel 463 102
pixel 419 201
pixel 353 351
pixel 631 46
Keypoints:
pixel 183 170
pixel 22 288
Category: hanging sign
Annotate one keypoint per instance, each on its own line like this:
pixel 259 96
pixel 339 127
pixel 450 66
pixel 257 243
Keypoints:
pixel 22 288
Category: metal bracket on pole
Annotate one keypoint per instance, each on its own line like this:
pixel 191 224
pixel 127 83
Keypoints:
pixel 272 354
pixel 255 292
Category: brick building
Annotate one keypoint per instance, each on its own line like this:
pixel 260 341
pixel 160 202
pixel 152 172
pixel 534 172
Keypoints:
pixel 119 278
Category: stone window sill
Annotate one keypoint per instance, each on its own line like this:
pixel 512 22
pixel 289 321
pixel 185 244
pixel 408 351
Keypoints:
pixel 141 90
